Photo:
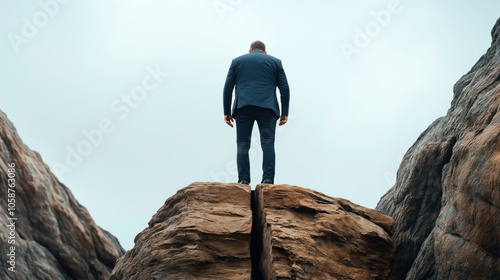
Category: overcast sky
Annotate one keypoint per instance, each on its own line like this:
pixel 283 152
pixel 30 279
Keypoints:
pixel 123 99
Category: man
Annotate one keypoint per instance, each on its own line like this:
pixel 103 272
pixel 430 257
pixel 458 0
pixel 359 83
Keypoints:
pixel 256 76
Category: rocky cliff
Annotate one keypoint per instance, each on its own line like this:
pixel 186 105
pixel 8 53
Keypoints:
pixel 226 231
pixel 446 199
pixel 44 232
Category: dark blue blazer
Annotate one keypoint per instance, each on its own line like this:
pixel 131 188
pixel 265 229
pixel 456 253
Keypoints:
pixel 256 76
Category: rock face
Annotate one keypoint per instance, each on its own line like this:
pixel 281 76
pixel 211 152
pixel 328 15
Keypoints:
pixel 223 231
pixel 45 232
pixel 446 199
pixel 308 235
pixel 202 232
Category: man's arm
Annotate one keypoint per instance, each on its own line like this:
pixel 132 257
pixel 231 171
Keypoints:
pixel 228 89
pixel 284 92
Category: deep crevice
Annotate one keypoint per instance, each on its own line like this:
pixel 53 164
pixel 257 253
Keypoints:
pixel 256 240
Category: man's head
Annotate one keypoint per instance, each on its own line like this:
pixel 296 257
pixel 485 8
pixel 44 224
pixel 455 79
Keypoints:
pixel 258 45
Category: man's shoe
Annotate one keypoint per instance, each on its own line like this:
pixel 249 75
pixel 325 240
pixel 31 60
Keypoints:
pixel 244 182
pixel 267 181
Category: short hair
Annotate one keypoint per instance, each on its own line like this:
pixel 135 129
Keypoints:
pixel 258 45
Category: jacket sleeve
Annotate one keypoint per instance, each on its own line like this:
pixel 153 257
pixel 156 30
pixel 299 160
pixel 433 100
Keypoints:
pixel 228 89
pixel 284 90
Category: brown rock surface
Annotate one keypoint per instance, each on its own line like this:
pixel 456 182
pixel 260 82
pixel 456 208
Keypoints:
pixel 202 232
pixel 446 199
pixel 56 237
pixel 308 235
pixel 223 231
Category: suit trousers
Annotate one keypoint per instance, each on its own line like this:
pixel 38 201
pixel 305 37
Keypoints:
pixel 266 120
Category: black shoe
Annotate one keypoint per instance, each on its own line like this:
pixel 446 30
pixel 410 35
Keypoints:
pixel 244 182
pixel 267 181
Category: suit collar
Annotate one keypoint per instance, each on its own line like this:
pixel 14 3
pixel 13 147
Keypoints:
pixel 257 51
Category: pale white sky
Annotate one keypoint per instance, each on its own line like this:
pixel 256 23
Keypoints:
pixel 366 78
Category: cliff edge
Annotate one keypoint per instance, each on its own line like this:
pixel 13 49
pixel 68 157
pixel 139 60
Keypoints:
pixel 446 199
pixel 226 231
pixel 45 232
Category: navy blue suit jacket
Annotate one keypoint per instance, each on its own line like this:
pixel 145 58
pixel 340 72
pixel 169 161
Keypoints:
pixel 256 76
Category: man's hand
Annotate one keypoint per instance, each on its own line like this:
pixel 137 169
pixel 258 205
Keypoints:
pixel 229 119
pixel 283 120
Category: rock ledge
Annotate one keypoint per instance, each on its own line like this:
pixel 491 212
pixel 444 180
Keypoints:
pixel 226 231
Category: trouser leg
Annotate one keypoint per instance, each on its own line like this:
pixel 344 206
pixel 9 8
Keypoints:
pixel 266 121
pixel 244 125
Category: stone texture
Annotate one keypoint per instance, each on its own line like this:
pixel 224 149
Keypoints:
pixel 446 199
pixel 202 232
pixel 223 231
pixel 56 237
pixel 308 235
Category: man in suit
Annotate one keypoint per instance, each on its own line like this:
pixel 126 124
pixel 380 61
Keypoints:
pixel 256 76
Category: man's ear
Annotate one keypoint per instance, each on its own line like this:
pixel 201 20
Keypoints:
pixel 265 52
